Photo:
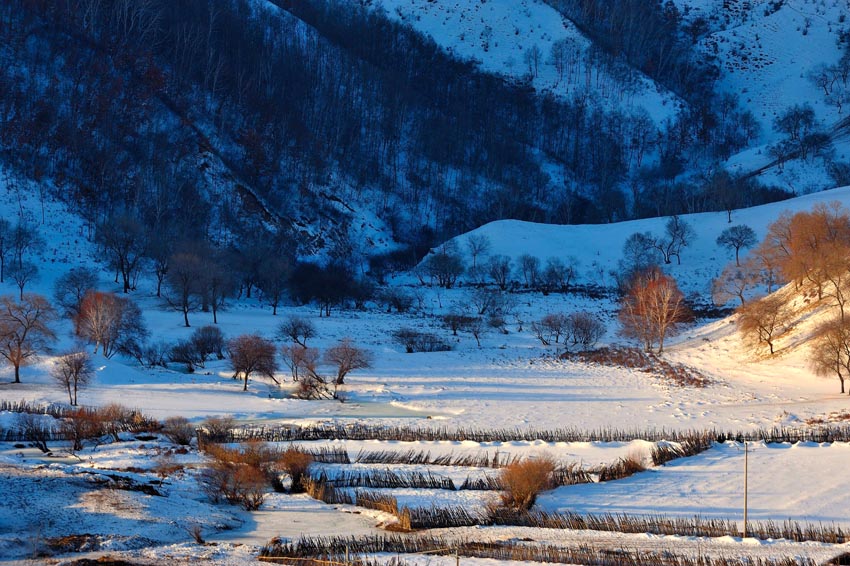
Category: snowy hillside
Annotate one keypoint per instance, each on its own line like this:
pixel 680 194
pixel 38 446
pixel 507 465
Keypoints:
pixel 516 39
pixel 598 248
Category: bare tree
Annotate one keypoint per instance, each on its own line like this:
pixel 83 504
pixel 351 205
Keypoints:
pixel 499 269
pixel 6 237
pixel 763 319
pixel 185 283
pixel 25 238
pixel 297 329
pixel 529 266
pixel 830 354
pixel 678 235
pixel 477 327
pixel 733 282
pixel 124 239
pixel 300 360
pixel 478 245
pixel 653 307
pixel 557 275
pixel 25 329
pixel 347 358
pixel 252 354
pixel 584 329
pixel 208 340
pixel 70 288
pixel 24 273
pixel 273 281
pixel 110 321
pixel 73 371
pixel 737 237
pixel 444 266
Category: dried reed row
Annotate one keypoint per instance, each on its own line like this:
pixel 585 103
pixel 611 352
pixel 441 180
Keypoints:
pixel 338 431
pixel 387 479
pixel 413 457
pixel 335 549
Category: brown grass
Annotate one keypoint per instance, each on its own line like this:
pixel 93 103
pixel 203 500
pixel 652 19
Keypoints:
pixel 633 358
pixel 523 481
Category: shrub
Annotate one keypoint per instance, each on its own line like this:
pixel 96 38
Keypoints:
pixel 178 430
pixel 216 429
pixel 522 481
pixel 585 329
pixel 416 341
pixel 248 487
pixel 208 340
pixel 295 462
pixel 397 299
pixel 239 476
pixel 185 352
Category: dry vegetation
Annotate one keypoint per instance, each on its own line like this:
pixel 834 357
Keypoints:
pixel 648 362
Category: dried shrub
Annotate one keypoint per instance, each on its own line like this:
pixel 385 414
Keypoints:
pixel 79 426
pixel 248 487
pixel 622 468
pixel 216 429
pixel 523 481
pixel 417 341
pixel 633 358
pixel 178 430
pixel 295 462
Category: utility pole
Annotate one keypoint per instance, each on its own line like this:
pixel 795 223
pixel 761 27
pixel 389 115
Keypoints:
pixel 746 466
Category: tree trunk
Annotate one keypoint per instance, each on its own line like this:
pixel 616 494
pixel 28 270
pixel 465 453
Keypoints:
pixel 186 317
pixel 245 387
pixel 17 372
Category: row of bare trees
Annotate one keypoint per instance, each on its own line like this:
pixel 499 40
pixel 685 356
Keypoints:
pixel 810 250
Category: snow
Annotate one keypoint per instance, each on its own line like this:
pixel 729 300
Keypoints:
pixel 499 33
pixel 510 382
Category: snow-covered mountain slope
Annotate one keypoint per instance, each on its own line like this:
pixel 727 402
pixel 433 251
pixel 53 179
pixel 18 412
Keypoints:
pixel 516 39
pixel 599 247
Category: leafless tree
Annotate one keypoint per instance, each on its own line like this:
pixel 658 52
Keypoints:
pixel 124 239
pixel 297 329
pixel 6 237
pixel 733 282
pixel 209 341
pixel 653 307
pixel 397 299
pixel 185 283
pixel 478 327
pixel 529 266
pixel 73 371
pixel 678 235
pixel 273 281
pixel 499 269
pixel 70 288
pixel 25 238
pixel 444 266
pixel 109 321
pixel 584 329
pixel 557 275
pixel 764 319
pixel 24 273
pixel 478 245
pixel 347 358
pixel 736 238
pixel 250 354
pixel 300 360
pixel 25 329
pixel 830 354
